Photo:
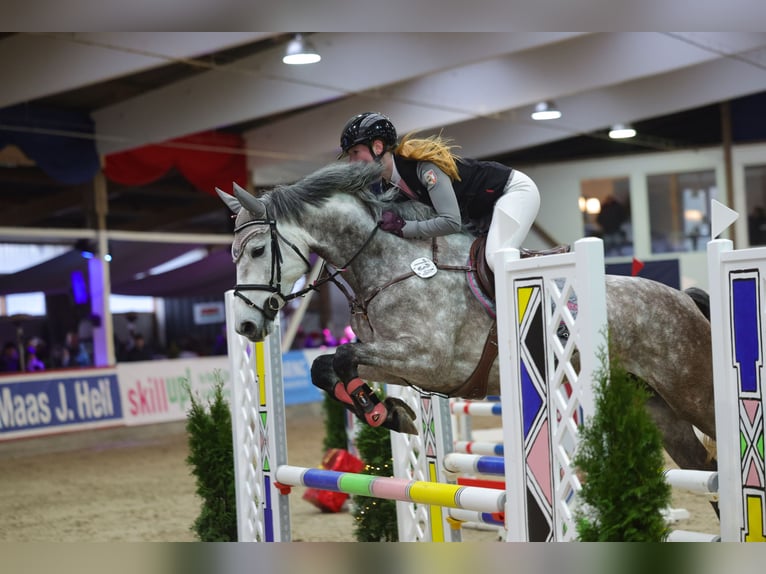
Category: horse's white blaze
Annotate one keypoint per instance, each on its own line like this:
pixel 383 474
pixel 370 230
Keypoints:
pixel 258 271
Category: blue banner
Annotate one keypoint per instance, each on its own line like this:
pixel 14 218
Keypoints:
pixel 296 373
pixel 59 402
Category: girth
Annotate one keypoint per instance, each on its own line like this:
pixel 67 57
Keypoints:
pixel 475 387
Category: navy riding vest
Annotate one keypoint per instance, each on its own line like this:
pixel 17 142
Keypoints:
pixel 481 185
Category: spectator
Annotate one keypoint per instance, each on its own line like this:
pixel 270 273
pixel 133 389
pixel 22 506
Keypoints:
pixel 33 363
pixel 78 354
pixel 9 362
pixel 757 226
pixel 611 218
pixel 139 351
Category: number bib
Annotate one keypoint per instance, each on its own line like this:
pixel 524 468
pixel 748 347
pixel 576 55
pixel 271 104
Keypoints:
pixel 423 267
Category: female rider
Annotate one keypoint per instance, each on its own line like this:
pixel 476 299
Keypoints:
pixel 484 196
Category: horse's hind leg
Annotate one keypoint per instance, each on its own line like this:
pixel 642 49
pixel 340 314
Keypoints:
pixel 358 397
pixel 681 443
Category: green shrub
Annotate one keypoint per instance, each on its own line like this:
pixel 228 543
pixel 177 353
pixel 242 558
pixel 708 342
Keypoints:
pixel 211 456
pixel 621 459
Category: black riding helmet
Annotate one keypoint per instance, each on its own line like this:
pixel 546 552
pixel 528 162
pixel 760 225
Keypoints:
pixel 365 128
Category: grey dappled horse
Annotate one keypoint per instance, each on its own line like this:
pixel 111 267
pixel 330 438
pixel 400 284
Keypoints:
pixel 430 333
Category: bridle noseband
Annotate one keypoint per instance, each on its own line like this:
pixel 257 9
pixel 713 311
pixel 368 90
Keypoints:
pixel 276 300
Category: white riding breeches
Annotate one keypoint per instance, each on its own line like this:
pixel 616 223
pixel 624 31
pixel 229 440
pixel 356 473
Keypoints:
pixel 513 215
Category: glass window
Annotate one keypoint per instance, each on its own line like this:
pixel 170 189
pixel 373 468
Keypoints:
pixel 605 205
pixel 679 204
pixel 755 198
pixel 131 303
pixel 25 304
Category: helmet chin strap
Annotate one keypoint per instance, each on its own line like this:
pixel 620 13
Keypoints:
pixel 376 157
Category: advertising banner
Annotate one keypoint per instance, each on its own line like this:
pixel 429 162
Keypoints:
pixel 158 391
pixel 58 401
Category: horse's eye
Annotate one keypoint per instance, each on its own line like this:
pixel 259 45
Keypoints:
pixel 256 252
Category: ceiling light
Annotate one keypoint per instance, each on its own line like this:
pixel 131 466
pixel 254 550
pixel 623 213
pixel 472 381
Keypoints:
pixel 546 111
pixel 176 263
pixel 621 132
pixel 300 51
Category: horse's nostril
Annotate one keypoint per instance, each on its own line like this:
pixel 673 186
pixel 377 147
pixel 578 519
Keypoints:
pixel 246 328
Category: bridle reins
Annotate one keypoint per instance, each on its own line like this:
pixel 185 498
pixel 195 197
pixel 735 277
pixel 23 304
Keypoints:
pixel 277 300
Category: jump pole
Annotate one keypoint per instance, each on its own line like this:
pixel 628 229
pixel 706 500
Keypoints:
pixel 460 462
pixel 429 493
pixel 479 447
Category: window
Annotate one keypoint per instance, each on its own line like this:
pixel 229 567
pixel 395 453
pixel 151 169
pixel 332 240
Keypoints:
pixel 131 303
pixel 755 198
pixel 25 304
pixel 605 205
pixel 679 205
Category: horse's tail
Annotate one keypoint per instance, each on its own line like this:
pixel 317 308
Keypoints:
pixel 701 299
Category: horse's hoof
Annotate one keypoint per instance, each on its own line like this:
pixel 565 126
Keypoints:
pixel 394 402
pixel 401 418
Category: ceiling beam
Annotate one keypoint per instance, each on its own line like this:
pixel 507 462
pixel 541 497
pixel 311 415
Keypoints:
pixel 37 210
pixel 261 85
pixel 584 68
pixel 46 64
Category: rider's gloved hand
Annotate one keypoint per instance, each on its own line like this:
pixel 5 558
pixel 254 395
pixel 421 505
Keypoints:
pixel 392 223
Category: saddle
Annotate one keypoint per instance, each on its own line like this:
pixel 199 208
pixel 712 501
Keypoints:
pixel 475 387
pixel 485 276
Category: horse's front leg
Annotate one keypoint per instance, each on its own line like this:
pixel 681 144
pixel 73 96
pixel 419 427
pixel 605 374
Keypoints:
pixel 338 375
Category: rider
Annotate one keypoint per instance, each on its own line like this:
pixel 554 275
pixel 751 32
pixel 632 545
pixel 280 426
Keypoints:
pixel 485 196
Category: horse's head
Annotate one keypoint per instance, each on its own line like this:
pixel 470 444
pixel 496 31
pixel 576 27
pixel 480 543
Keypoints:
pixel 269 261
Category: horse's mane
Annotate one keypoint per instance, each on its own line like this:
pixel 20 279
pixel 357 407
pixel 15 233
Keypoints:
pixel 290 202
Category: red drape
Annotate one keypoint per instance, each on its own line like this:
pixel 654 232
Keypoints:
pixel 207 160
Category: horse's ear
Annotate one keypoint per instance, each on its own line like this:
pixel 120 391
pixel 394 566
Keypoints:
pixel 230 201
pixel 249 202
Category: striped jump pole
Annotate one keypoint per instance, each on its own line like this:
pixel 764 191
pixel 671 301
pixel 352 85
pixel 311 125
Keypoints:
pixel 422 492
pixel 479 447
pixel 462 517
pixel 476 408
pixel 459 462
pixel 462 409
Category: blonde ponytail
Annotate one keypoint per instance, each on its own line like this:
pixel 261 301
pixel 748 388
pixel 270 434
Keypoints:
pixel 436 149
